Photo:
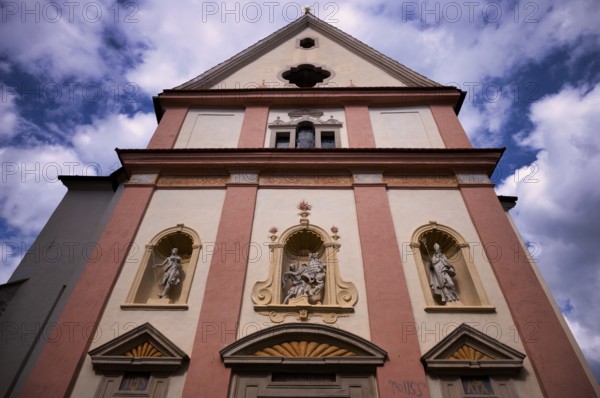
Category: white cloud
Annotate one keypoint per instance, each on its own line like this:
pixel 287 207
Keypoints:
pixel 11 257
pixel 31 190
pixel 5 67
pixel 96 142
pixel 30 193
pixel 201 38
pixel 559 204
pixel 9 115
pixel 484 124
pixel 47 40
pixel 589 340
pixel 467 52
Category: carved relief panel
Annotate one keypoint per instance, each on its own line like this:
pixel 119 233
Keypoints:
pixel 304 278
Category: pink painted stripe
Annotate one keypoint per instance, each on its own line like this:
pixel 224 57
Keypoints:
pixel 554 360
pixel 254 127
pixel 358 126
pixel 451 130
pixel 168 129
pixel 390 313
pixel 220 312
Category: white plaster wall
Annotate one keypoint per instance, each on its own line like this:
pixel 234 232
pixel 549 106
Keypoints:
pixel 211 128
pixel 277 207
pixel 338 114
pixel 199 210
pixel 407 127
pixel 344 66
pixel 410 210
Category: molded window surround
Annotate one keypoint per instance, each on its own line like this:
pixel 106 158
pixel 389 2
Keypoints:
pixel 326 131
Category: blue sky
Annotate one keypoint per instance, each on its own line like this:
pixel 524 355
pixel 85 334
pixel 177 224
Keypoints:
pixel 76 80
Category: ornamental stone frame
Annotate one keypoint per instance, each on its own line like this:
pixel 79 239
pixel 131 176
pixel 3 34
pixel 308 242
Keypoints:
pixel 469 363
pixel 138 363
pixel 338 297
pixel 145 289
pixel 471 293
pixel 304 115
pixel 303 360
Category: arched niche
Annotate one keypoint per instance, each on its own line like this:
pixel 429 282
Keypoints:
pixel 146 289
pixel 468 286
pixel 334 297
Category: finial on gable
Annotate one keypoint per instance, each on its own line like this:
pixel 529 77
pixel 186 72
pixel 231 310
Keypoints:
pixel 307 9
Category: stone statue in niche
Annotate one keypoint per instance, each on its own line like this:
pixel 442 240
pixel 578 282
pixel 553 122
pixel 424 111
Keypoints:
pixel 171 276
pixel 441 273
pixel 305 280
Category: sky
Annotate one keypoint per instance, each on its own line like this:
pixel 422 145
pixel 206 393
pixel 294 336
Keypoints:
pixel 77 77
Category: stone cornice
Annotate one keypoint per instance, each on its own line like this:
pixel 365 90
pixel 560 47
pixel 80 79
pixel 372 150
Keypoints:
pixel 189 162
pixel 325 96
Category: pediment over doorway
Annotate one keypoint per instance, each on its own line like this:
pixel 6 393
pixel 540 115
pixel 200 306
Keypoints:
pixel 303 345
pixel 467 351
pixel 142 349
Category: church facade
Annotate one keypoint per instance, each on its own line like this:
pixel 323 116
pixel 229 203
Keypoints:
pixel 309 219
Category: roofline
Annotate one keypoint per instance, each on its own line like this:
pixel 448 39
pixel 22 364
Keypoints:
pixel 392 67
pixel 111 181
pixel 300 97
pixel 330 96
pixel 314 89
pixel 158 110
pixel 459 104
pixel 508 202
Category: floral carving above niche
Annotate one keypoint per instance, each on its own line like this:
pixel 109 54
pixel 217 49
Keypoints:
pixel 306 115
pixel 304 278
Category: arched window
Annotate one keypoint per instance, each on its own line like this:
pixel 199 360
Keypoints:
pixel 166 271
pixel 305 135
pixel 448 276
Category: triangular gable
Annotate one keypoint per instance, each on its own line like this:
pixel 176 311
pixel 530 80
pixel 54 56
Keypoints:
pixel 467 351
pixel 393 68
pixel 143 348
pixel 302 344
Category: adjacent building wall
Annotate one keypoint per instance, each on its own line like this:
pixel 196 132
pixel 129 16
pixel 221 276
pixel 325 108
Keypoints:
pixel 50 268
